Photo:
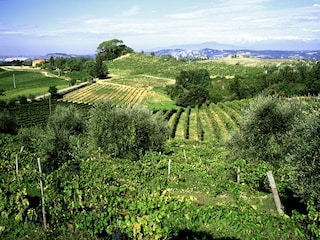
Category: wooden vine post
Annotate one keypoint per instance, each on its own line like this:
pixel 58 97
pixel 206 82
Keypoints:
pixel 169 168
pixel 274 192
pixel 17 165
pixel 42 197
pixel 185 155
pixel 50 104
pixel 17 160
pixel 238 175
pixel 14 81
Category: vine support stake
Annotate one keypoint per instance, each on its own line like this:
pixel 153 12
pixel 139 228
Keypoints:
pixel 14 81
pixel 238 175
pixel 49 103
pixel 169 168
pixel 17 164
pixel 274 192
pixel 17 161
pixel 42 197
pixel 184 154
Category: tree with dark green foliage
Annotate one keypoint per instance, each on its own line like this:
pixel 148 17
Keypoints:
pixel 99 69
pixel 313 82
pixel 299 78
pixel 191 88
pixel 126 131
pixel 53 90
pixel 197 95
pixel 109 50
pixel 187 79
pixel 236 88
pixel 52 63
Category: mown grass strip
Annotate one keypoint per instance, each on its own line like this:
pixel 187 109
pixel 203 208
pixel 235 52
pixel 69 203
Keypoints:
pixel 186 123
pixel 200 131
pixel 214 123
pixel 206 125
pixel 175 122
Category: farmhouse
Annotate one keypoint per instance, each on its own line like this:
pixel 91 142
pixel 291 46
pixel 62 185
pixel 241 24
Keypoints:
pixel 37 61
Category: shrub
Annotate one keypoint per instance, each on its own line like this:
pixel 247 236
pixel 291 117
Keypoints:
pixel 126 131
pixel 66 118
pixel 23 99
pixel 7 122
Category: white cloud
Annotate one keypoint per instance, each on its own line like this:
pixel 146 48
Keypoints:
pixel 131 12
pixel 225 21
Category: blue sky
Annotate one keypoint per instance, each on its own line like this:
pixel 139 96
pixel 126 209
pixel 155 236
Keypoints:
pixel 78 26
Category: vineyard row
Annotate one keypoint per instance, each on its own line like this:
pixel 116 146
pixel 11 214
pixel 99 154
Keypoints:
pixel 120 94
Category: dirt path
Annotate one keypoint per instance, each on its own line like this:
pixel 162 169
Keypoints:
pixel 62 90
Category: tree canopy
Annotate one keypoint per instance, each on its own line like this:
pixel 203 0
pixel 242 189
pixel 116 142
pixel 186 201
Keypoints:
pixel 99 69
pixel 124 131
pixel 109 50
pixel 191 88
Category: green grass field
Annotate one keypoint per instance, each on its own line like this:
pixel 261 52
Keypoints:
pixel 27 82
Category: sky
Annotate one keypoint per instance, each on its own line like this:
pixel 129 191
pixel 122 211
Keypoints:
pixel 29 27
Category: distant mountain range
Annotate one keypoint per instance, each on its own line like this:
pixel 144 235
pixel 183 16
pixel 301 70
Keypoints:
pixel 242 53
pixel 220 50
pixel 47 56
pixel 186 51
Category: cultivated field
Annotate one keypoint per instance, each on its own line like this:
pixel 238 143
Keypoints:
pixel 27 82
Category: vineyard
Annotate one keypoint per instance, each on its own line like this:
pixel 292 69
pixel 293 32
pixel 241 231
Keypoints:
pixel 38 112
pixel 119 94
pixel 189 189
pixel 205 123
pixel 213 122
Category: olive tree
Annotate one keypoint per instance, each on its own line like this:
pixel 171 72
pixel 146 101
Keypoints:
pixel 262 130
pixel 286 134
pixel 64 126
pixel 124 131
pixel 303 157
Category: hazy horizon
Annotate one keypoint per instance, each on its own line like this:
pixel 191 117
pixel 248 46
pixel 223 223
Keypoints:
pixel 37 27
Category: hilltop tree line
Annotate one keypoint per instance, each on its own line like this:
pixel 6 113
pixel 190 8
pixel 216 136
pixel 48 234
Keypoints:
pixel 195 87
pixel 86 68
pixel 296 79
